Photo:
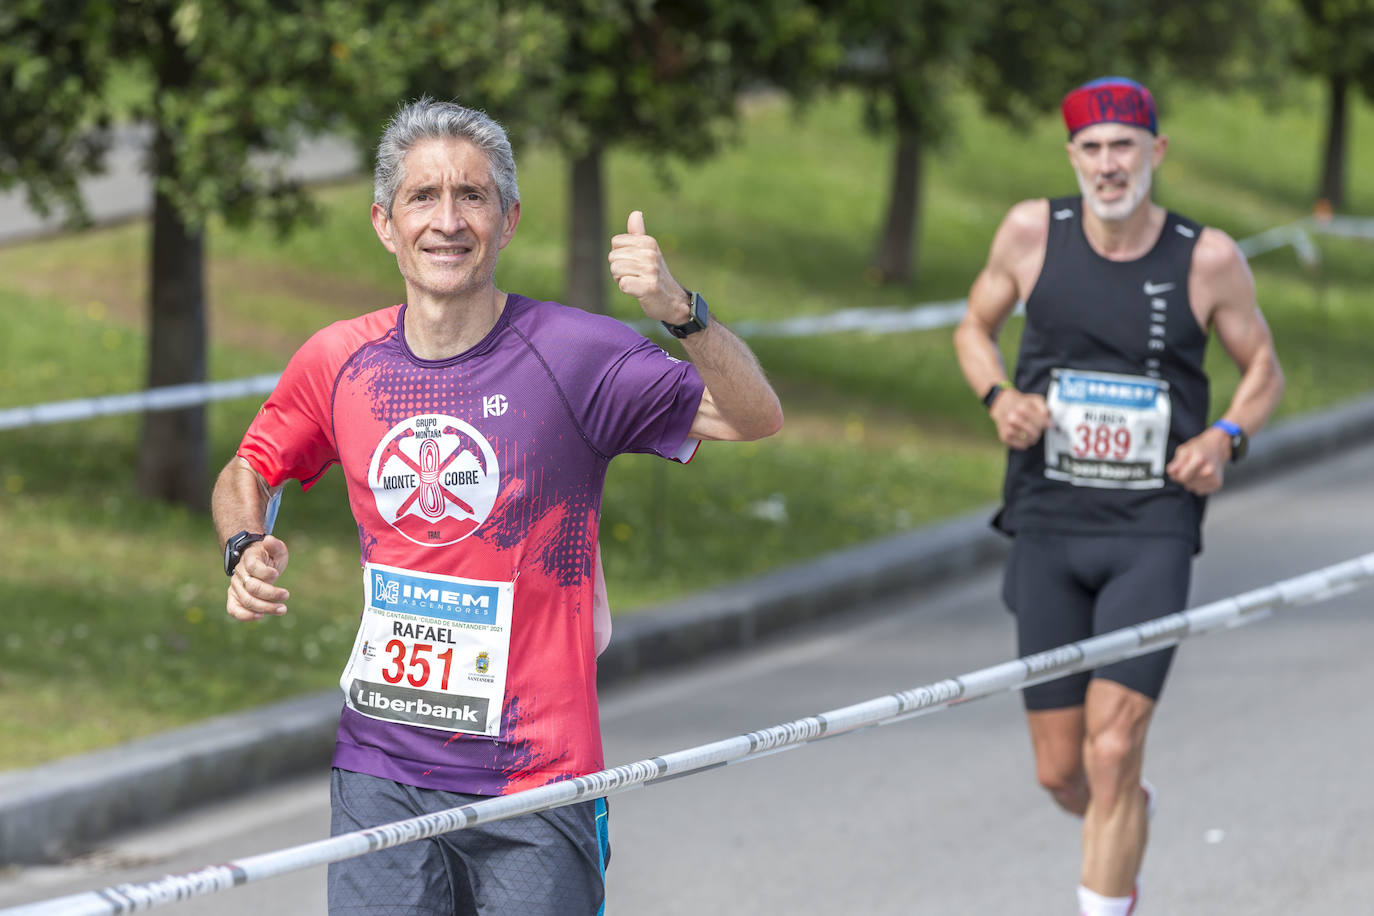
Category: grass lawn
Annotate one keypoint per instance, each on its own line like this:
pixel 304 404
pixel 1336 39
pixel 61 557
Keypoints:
pixel 115 624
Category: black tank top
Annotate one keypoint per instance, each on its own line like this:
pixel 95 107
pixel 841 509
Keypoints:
pixel 1126 318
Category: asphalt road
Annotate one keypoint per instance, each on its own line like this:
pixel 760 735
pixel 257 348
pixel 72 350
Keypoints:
pixel 1260 751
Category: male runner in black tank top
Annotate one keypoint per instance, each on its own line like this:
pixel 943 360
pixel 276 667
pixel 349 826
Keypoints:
pixel 1110 453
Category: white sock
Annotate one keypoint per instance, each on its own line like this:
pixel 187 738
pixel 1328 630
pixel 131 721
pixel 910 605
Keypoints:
pixel 1094 904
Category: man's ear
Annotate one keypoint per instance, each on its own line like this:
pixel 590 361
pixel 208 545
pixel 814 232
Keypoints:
pixel 382 224
pixel 1161 146
pixel 510 221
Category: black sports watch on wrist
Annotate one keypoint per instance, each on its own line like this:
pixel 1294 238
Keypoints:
pixel 697 317
pixel 1240 443
pixel 993 392
pixel 234 548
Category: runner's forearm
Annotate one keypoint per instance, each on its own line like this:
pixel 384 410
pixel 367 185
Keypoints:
pixel 739 404
pixel 1261 386
pixel 979 358
pixel 239 502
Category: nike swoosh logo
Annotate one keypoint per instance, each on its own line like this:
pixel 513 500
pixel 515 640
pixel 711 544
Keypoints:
pixel 1154 289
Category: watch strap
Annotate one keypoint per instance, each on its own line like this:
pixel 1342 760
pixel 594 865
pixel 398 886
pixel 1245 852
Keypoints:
pixel 994 391
pixel 1231 429
pixel 235 546
pixel 697 317
pixel 1240 442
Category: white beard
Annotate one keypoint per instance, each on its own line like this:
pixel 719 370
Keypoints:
pixel 1117 210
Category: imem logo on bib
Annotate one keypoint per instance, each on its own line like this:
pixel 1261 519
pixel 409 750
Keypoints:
pixel 435 479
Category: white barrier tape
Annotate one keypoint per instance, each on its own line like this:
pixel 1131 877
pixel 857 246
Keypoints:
pixel 888 319
pixel 1069 659
pixel 1351 227
pixel 1293 234
pixel 172 397
pixel 869 320
pixel 885 320
pixel 1299 235
pixel 876 320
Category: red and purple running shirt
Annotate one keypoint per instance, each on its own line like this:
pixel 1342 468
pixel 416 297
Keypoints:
pixel 476 484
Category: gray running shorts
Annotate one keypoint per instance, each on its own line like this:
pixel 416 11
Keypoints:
pixel 550 863
pixel 1065 588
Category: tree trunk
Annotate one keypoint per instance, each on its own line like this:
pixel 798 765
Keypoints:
pixel 896 251
pixel 172 454
pixel 1332 185
pixel 587 240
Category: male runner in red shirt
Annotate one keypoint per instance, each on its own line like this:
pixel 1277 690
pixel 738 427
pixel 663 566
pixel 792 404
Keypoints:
pixel 474 428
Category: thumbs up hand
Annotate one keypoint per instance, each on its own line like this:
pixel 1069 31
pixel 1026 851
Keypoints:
pixel 639 270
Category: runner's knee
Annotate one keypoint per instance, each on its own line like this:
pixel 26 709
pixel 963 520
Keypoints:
pixel 1111 756
pixel 1059 773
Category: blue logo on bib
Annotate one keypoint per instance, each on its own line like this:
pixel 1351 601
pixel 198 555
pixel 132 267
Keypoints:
pixel 444 599
pixel 1137 393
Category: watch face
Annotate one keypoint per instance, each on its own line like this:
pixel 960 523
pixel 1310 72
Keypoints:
pixel 697 318
pixel 700 313
pixel 234 547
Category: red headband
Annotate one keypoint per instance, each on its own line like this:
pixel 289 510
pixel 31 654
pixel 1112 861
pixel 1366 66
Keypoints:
pixel 1111 99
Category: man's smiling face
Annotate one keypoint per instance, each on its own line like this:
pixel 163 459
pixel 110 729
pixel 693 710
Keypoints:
pixel 446 227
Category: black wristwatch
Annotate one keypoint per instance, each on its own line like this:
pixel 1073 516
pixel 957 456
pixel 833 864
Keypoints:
pixel 993 392
pixel 697 317
pixel 234 548
pixel 1240 443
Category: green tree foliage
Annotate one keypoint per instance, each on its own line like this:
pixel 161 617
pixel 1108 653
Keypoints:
pixel 1028 53
pixel 481 53
pixel 1334 40
pixel 49 131
pixel 225 80
pixel 228 89
pixel 906 58
pixel 663 76
pixel 586 75
pixel 1019 57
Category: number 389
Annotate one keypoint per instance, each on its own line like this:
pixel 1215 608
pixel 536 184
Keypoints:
pixel 1101 441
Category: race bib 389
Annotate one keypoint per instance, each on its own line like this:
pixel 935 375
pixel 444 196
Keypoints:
pixel 1108 430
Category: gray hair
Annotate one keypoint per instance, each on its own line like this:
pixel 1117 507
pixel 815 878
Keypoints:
pixel 427 119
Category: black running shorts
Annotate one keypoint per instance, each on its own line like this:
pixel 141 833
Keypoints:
pixel 1064 588
pixel 550 863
